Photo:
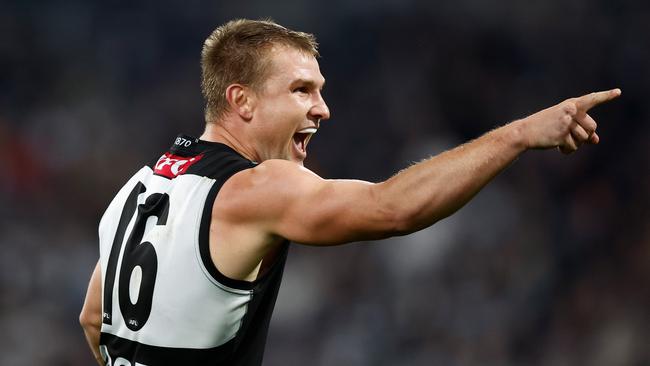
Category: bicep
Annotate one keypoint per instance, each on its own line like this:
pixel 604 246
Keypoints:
pixel 331 212
pixel 282 199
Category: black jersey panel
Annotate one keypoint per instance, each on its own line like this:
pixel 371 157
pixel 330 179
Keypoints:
pixel 160 356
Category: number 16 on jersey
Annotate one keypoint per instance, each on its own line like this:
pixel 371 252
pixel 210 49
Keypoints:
pixel 137 273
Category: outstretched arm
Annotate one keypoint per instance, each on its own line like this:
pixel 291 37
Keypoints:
pixel 436 188
pixel 91 313
pixel 283 199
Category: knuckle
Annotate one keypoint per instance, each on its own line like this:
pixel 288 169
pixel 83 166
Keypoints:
pixel 569 143
pixel 592 127
pixel 569 107
pixel 566 150
pixel 588 125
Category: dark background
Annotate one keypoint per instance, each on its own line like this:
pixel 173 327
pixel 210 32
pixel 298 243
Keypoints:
pixel 547 266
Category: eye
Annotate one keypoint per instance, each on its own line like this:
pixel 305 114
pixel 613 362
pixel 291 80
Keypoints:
pixel 301 89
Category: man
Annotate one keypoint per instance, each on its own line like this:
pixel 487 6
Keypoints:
pixel 192 248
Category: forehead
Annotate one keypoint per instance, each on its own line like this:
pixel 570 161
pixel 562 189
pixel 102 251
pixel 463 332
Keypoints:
pixel 288 64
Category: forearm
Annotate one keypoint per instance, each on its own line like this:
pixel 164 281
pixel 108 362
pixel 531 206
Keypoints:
pixel 435 188
pixel 91 313
pixel 302 207
pixel 92 334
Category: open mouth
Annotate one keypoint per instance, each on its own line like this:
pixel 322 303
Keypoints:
pixel 301 139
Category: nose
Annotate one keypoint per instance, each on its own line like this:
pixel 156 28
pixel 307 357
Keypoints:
pixel 320 111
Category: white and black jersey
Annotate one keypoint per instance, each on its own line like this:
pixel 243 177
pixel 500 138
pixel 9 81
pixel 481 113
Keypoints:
pixel 163 300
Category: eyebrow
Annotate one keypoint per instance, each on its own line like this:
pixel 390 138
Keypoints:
pixel 308 82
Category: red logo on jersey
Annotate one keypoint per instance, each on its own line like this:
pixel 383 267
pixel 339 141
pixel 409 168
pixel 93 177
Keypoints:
pixel 171 166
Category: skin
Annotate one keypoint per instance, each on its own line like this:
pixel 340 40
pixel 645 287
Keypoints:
pixel 279 199
pixel 91 313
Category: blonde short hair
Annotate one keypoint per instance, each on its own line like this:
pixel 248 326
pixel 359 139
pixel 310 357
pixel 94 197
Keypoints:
pixel 236 53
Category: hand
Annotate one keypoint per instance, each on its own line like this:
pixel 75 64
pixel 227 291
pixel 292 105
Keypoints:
pixel 566 125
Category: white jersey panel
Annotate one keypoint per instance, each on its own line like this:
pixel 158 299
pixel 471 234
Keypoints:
pixel 189 308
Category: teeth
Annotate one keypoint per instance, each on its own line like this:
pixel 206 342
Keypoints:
pixel 308 130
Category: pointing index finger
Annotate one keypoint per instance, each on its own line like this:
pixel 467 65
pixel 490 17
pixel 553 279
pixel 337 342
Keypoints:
pixel 586 102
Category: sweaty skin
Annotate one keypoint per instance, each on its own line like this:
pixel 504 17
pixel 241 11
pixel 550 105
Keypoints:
pixel 279 199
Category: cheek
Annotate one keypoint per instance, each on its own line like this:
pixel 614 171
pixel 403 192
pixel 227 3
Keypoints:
pixel 279 118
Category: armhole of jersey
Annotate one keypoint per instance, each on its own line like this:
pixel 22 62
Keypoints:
pixel 204 244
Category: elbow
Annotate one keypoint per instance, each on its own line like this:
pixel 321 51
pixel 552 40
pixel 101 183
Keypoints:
pixel 402 226
pixel 391 216
pixel 409 218
pixel 89 320
pixel 84 320
pixel 400 217
pixel 410 221
pixel 401 220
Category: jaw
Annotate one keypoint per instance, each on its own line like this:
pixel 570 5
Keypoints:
pixel 299 146
pixel 296 152
pixel 299 142
pixel 293 149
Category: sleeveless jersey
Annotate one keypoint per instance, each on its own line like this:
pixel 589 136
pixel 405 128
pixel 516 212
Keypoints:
pixel 164 302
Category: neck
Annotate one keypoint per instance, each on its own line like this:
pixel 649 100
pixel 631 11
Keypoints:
pixel 215 132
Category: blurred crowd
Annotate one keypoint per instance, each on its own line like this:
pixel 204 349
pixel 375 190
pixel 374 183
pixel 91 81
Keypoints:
pixel 547 266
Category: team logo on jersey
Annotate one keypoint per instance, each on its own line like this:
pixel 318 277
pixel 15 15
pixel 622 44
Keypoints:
pixel 171 166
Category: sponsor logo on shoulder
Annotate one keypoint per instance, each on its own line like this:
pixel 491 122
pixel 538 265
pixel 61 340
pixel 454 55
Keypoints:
pixel 171 166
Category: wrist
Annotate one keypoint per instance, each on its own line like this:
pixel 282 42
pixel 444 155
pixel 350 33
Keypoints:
pixel 517 136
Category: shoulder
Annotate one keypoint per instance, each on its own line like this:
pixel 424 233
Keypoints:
pixel 277 168
pixel 264 190
pixel 271 175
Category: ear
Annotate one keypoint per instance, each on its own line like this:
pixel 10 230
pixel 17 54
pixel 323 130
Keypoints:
pixel 241 100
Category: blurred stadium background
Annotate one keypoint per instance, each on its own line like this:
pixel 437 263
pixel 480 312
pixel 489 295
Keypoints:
pixel 547 266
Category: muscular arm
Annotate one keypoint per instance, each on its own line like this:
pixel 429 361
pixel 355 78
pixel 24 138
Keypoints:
pixel 296 204
pixel 283 199
pixel 437 187
pixel 91 313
